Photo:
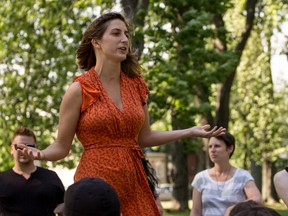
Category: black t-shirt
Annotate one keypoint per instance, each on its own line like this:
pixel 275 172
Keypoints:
pixel 37 196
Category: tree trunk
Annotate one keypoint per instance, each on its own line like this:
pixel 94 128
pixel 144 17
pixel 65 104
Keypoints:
pixel 180 175
pixel 137 11
pixel 267 182
pixel 223 112
pixel 256 172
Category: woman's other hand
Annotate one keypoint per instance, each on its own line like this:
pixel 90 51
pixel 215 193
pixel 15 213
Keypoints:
pixel 30 152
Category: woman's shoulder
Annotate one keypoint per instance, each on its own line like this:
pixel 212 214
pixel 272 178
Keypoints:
pixel 85 77
pixel 282 173
pixel 243 175
pixel 241 171
pixel 202 174
pixel 74 89
pixel 200 178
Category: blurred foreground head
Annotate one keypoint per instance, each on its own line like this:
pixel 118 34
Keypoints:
pixel 90 197
pixel 252 208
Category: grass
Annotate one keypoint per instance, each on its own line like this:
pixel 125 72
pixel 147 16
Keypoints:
pixel 176 213
pixel 279 207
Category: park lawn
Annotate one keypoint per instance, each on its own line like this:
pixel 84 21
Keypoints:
pixel 176 213
pixel 279 207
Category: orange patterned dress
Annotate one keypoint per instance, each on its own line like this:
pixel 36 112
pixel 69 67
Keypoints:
pixel 109 136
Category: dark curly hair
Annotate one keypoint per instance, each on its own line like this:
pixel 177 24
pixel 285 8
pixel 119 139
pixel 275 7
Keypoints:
pixel 151 176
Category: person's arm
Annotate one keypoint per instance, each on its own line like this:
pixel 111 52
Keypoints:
pixel 196 203
pixel 159 205
pixel 68 119
pixel 252 192
pixel 59 210
pixel 228 210
pixel 149 138
pixel 280 182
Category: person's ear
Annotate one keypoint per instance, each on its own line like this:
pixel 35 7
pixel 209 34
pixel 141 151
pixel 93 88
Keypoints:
pixel 231 148
pixel 95 43
pixel 12 149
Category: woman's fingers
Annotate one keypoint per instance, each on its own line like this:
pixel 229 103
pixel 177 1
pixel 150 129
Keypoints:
pixel 28 151
pixel 206 127
pixel 215 131
pixel 218 131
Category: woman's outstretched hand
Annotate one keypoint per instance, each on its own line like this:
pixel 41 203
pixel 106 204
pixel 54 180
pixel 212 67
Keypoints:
pixel 203 131
pixel 30 152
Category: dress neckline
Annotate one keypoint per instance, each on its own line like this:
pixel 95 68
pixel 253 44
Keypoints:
pixel 99 86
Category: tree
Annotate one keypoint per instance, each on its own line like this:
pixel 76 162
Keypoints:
pixel 257 109
pixel 182 65
pixel 37 58
pixel 137 11
pixel 200 46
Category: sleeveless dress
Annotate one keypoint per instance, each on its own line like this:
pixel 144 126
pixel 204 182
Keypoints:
pixel 109 136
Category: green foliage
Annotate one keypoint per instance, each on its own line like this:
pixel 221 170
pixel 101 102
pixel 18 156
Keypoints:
pixel 38 44
pixel 258 112
pixel 181 61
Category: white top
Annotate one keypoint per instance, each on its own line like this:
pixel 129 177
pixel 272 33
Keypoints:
pixel 218 196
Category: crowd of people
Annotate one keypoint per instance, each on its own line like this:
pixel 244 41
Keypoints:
pixel 106 108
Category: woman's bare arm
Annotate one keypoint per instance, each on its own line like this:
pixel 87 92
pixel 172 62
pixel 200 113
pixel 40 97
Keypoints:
pixel 149 138
pixel 68 119
pixel 196 203
pixel 280 181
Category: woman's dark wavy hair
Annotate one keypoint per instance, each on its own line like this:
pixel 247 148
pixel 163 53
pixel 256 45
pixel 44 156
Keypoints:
pixel 151 176
pixel 229 141
pixel 85 55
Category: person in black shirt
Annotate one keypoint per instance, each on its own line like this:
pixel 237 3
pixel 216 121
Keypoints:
pixel 26 189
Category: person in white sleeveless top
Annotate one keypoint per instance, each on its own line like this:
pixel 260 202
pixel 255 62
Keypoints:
pixel 223 185
pixel 280 182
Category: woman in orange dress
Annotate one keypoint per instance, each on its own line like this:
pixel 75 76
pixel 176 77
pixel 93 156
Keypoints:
pixel 106 108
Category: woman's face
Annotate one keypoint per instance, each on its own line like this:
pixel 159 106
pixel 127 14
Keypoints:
pixel 114 44
pixel 218 151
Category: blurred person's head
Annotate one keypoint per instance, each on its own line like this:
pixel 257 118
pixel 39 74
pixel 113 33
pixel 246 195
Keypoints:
pixel 252 208
pixel 90 197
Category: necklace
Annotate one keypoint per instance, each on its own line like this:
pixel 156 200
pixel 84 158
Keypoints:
pixel 222 184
